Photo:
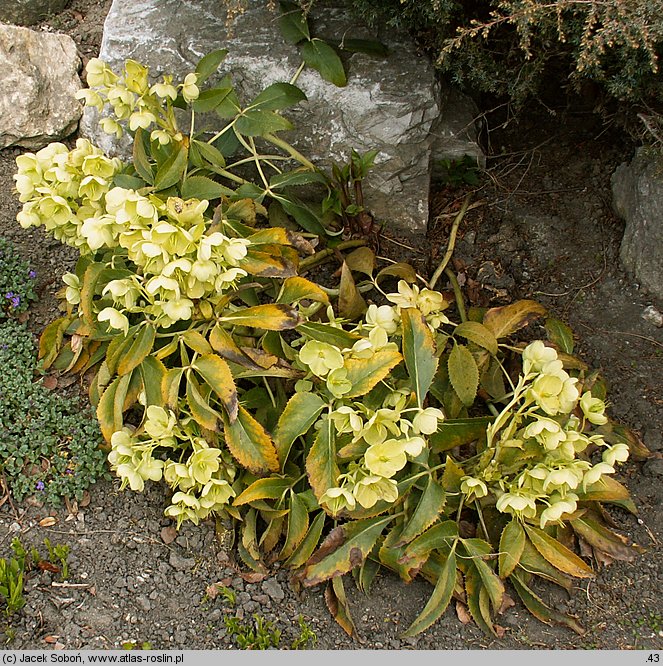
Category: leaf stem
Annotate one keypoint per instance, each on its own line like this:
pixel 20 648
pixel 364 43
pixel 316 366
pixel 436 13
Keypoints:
pixel 452 242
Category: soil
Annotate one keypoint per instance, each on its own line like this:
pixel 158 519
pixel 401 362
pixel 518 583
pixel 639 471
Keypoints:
pixel 543 229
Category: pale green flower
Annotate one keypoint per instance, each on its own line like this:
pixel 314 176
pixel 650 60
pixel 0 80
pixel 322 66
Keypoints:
pixel 425 421
pixel 177 309
pixel 594 474
pixel 320 357
pixel 115 319
pixel 558 507
pixel 413 446
pixel 135 76
pixel 124 292
pixel 159 423
pixel 161 136
pixel 371 489
pixel 536 355
pixel 593 409
pixel 380 423
pixel 338 383
pixel 429 301
pixel 517 504
pixel 96 73
pixel 346 420
pixel 203 463
pixel 406 296
pixel 129 475
pixel 110 126
pixel 164 89
pixel 142 119
pixel 190 90
pixel 338 499
pixel 215 494
pixel 99 232
pixel 383 316
pixel 73 291
pixel 547 432
pixel 473 488
pixel 149 468
pixel 615 453
pixel 385 458
pixel 564 477
pixel 91 98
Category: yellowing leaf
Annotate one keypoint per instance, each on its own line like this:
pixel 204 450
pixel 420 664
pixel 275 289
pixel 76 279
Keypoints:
pixel 111 403
pixel 202 412
pixel 476 551
pixel 512 543
pixel 138 351
pixel 270 488
pixel 463 374
pixel 250 444
pixel 361 260
pixel 297 525
pixel 428 509
pixel 215 371
pixel 419 352
pixel 268 317
pixel 558 555
pixel 50 341
pixel 329 334
pixel 196 341
pixel 338 606
pixel 222 343
pixel 457 432
pixel 365 373
pixel 479 334
pixel 152 372
pixel 351 303
pixel 509 318
pixel 301 412
pixel 298 288
pixel 308 543
pixel 401 271
pixel 321 465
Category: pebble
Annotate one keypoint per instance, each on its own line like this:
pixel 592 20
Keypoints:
pixel 181 563
pixel 653 439
pixel 653 467
pixel 143 603
pixel 273 588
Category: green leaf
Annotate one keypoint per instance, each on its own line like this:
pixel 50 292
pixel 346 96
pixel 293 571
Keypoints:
pixel 278 96
pixel 202 412
pixel 401 271
pixel 210 153
pixel 223 343
pixel 201 187
pixel 476 552
pixel 153 372
pixel 344 548
pixel 560 334
pixel 209 100
pixel 324 59
pixel 271 488
pixel 439 600
pixel 301 176
pixel 88 289
pixel 50 341
pixel 258 123
pixel 173 168
pixel 478 601
pixel 196 341
pixel 509 318
pixel 250 444
pixel 463 374
pixel 298 288
pixel 361 260
pixel 441 537
pixel 308 544
pixel 215 371
pixel 321 465
pixel 558 555
pixel 338 605
pixel 138 351
pixel 110 407
pixel 429 507
pixel 370 47
pixel 170 386
pixel 127 182
pixel 365 373
pixel 419 352
pixel 297 526
pixel 209 63
pixel 512 543
pixel 457 432
pixel 303 215
pixel 271 317
pixel 479 334
pixel 292 23
pixel 603 539
pixel 329 334
pixel 537 608
pixel 351 303
pixel 532 562
pixel 301 412
pixel 140 159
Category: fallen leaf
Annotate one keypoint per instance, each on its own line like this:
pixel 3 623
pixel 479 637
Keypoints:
pixel 93 591
pixel 58 646
pixel 168 535
pixel 212 591
pixel 48 566
pixel 51 639
pixel 49 521
pixel 463 614
pixel 507 602
pixel 252 577
pixel 500 631
pixel 23 317
pixel 50 382
pixel 86 499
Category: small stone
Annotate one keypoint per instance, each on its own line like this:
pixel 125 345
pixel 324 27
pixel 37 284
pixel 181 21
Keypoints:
pixel 143 603
pixel 653 316
pixel 181 563
pixel 168 535
pixel 273 588
pixel 653 439
pixel 215 615
pixel 653 467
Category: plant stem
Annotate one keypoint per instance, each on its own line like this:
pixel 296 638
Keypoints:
pixel 300 69
pixel 452 242
pixel 322 256
pixel 458 294
pixel 295 154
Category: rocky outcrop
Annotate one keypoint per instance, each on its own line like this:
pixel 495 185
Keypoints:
pixel 637 189
pixel 391 104
pixel 27 12
pixel 37 87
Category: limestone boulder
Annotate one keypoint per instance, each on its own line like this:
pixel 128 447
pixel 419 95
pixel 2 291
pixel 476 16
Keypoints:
pixel 390 104
pixel 37 88
pixel 27 12
pixel 637 189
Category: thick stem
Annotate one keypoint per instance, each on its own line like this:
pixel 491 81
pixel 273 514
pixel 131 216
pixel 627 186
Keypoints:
pixel 452 242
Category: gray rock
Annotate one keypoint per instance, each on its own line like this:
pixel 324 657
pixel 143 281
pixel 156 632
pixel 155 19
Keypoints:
pixel 391 105
pixel 273 588
pixel 180 563
pixel 37 87
pixel 27 12
pixel 653 467
pixel 143 603
pixel 637 190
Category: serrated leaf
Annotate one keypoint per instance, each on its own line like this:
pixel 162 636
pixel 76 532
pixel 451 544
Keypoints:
pixel 303 215
pixel 301 176
pixel 457 432
pixel 201 187
pixel 440 537
pixel 512 543
pixel 324 59
pixel 439 600
pixel 507 319
pixel 140 159
pixel 429 507
pixel 299 415
pixel 110 407
pixel 88 289
pixel 308 544
pixel 50 341
pixel 329 334
pixel 606 489
pixel 542 612
pixel 173 167
pixel 223 343
pixel 494 587
pixel 339 607
pixel 298 288
pixel 321 465
pixel 196 341
pixel 141 346
pixel 492 380
pixel 211 99
pixel 602 539
pixel 351 303
pixel 365 574
pixel 532 562
pixel 215 371
pixel 270 488
pixel 479 334
pixel 558 555
pixel 402 271
pixel 560 334
pixel 152 372
pixel 250 444
pixel 463 374
pixel 292 23
pixel 361 260
pixel 365 373
pixel 257 122
pixel 478 601
pixel 270 317
pixel 270 261
pixel 345 548
pixel 170 386
pixel 212 154
pixel 419 352
pixel 278 96
pixel 297 525
pixel 209 63
pixel 202 412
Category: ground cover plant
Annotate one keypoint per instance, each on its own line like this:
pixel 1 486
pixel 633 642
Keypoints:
pixel 340 435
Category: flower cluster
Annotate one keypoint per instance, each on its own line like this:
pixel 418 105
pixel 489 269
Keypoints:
pixel 64 190
pixel 173 449
pixel 538 441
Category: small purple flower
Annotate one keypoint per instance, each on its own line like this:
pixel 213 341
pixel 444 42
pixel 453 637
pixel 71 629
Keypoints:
pixel 40 485
pixel 16 301
pixel 32 274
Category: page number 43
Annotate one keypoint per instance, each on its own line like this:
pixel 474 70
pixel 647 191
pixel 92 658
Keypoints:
pixel 653 658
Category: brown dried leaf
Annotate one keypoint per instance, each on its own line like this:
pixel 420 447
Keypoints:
pixel 43 565
pixel 49 521
pixel 252 576
pixel 463 614
pixel 49 382
pixel 86 499
pixel 51 639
